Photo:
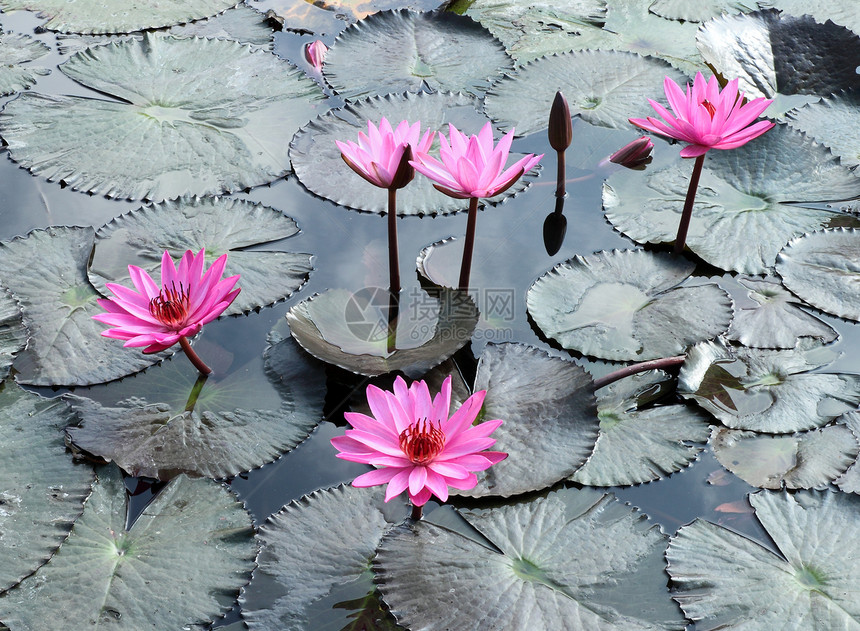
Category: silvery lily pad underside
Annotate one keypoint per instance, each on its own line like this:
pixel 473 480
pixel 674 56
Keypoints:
pixel 185 117
pixel 221 226
pixel 627 305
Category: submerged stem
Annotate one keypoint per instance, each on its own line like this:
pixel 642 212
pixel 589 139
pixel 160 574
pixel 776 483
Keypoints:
pixel 193 357
pixel 688 205
pixel 562 171
pixel 632 369
pixel 466 265
pixel 195 392
pixel 393 254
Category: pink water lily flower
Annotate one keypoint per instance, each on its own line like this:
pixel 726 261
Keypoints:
pixel 705 117
pixel 377 155
pixel 471 167
pixel 159 317
pixel 421 450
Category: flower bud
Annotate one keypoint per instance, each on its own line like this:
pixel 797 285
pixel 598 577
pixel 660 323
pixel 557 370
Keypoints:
pixel 315 53
pixel 560 125
pixel 634 155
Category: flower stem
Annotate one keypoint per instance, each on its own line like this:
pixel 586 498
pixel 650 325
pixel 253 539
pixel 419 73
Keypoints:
pixel 393 314
pixel 393 253
pixel 466 265
pixel 193 357
pixel 417 511
pixel 632 369
pixel 688 205
pixel 195 392
pixel 562 170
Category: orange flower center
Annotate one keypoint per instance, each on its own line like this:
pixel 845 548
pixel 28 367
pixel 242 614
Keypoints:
pixel 710 107
pixel 422 441
pixel 170 307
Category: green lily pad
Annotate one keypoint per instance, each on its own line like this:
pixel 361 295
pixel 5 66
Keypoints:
pixel 242 24
pixel 46 272
pixel 187 117
pixel 312 547
pixel 548 408
pixel 182 562
pixel 805 460
pixel 765 390
pixel 752 194
pixel 773 56
pixel 641 445
pixel 725 581
pixel 775 321
pixel 18 49
pixel 13 333
pixel 222 226
pixel 116 16
pixel 320 168
pixel 232 426
pixel 411 52
pixel 699 11
pixel 849 482
pixel 822 268
pixel 574 557
pixel 829 121
pixel 42 491
pixel 350 329
pixel 627 305
pixel 604 88
pixel 846 14
pixel 532 29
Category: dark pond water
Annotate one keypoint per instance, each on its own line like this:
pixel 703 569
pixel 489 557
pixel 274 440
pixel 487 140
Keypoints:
pixel 350 252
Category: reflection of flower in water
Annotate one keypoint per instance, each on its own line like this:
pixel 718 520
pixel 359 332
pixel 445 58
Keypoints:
pixel 419 448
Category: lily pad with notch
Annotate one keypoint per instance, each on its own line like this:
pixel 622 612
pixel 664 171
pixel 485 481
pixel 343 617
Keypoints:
pixel 221 226
pixel 776 320
pixel 215 427
pixel 574 555
pixel 413 52
pixel 849 482
pixel 180 117
pixel 315 548
pixel 46 272
pixel 320 168
pixel 16 49
pixel 770 391
pixel 793 60
pixel 627 305
pixel 724 580
pixel 805 460
pixel 548 408
pixel 602 87
pixel 351 330
pixel 42 491
pixel 116 16
pixel 759 193
pixel 830 122
pixel 190 551
pixel 822 268
pixel 640 442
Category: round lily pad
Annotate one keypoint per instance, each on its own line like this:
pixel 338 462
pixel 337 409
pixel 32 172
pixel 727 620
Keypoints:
pixel 116 16
pixel 776 321
pixel 725 581
pixel 765 390
pixel 320 168
pixel 182 562
pixel 822 268
pixel 574 555
pixel 413 51
pixel 222 226
pixel 604 88
pixel 641 445
pixel 627 305
pixel 548 408
pixel 18 49
pixel 753 194
pixel 226 427
pixel 805 460
pixel 13 333
pixel 350 330
pixel 782 57
pixel 46 272
pixel 42 491
pixel 830 122
pixel 186 117
pixel 315 546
